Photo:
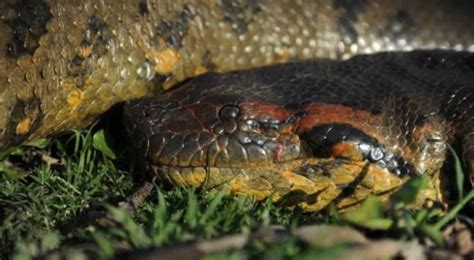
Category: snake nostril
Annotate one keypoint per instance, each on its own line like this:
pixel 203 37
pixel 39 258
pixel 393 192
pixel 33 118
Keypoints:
pixel 229 112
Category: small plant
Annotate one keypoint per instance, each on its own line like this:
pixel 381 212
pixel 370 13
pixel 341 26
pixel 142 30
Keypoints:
pixel 45 183
pixel 400 218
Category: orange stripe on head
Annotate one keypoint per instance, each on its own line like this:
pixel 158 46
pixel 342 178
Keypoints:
pixel 319 114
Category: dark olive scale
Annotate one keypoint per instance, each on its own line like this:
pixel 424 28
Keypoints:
pixel 143 8
pixel 219 128
pixel 28 25
pixel 243 138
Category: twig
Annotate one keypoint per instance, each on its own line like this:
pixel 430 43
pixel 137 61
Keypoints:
pixel 138 197
pixel 454 211
pixel 45 157
pixel 131 203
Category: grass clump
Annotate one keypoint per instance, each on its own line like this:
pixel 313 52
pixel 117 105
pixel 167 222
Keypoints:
pixel 46 184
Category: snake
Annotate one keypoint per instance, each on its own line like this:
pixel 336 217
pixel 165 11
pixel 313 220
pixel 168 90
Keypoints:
pixel 64 63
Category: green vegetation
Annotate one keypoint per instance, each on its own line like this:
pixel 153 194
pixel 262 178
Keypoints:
pixel 45 186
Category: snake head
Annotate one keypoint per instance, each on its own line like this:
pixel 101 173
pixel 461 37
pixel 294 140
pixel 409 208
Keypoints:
pixel 216 131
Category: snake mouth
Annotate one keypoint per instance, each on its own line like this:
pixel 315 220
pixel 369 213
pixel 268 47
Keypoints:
pixel 309 183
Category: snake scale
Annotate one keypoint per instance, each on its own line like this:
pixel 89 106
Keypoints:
pixel 63 63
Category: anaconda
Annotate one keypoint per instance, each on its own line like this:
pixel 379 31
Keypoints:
pixel 310 131
pixel 63 63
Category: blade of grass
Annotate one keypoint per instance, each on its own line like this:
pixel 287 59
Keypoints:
pixel 211 209
pixel 135 232
pixel 459 186
pixel 453 212
pixel 433 233
pixel 104 244
pixel 99 142
pixel 192 210
pixel 459 173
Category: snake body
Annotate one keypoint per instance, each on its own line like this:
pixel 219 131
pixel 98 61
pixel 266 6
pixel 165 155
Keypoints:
pixel 63 63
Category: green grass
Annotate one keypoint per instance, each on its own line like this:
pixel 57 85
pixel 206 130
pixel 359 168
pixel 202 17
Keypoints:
pixel 40 199
pixel 35 200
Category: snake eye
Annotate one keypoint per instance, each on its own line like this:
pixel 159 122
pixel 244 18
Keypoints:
pixel 229 112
